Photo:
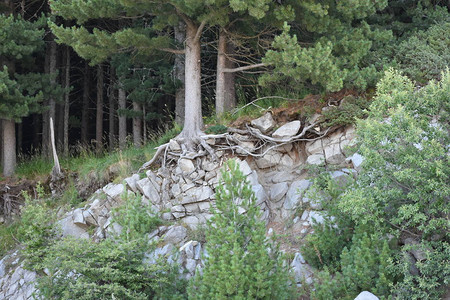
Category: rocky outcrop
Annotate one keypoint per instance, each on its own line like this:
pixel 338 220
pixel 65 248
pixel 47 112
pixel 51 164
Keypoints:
pixel 183 193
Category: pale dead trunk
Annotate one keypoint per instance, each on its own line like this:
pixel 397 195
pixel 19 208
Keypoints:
pixel 122 119
pixel 99 116
pixel 85 106
pixel 66 103
pixel 137 125
pixel 193 109
pixel 225 92
pixel 180 36
pixel 112 109
pixel 8 147
pixel 52 100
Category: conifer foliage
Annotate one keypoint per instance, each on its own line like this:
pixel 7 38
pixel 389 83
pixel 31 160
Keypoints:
pixel 241 263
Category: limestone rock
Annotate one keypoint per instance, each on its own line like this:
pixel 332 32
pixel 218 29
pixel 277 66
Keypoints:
pixel 278 191
pixel 287 130
pixel 148 190
pixel 186 166
pixel 68 228
pixel 366 296
pixel 131 182
pixel 175 234
pixel 301 270
pixel 271 159
pixel 244 167
pixel 333 154
pixel 174 146
pixel 78 217
pixel 295 193
pixel 192 222
pixel 356 160
pixel 315 159
pixel 114 191
pixel 264 123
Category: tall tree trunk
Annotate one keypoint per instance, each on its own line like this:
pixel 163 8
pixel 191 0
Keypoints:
pixel 52 101
pixel 225 91
pixel 99 117
pixel 137 124
pixel 180 36
pixel 66 102
pixel 8 146
pixel 112 109
pixel 85 106
pixel 193 109
pixel 122 119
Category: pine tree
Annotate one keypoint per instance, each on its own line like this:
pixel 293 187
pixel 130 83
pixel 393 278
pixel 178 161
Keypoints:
pixel 159 15
pixel 241 263
pixel 331 45
pixel 19 39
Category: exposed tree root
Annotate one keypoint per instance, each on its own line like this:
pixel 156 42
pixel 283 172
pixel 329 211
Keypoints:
pixel 230 141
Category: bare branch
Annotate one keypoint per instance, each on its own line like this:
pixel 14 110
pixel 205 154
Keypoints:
pixel 198 34
pixel 244 68
pixel 174 51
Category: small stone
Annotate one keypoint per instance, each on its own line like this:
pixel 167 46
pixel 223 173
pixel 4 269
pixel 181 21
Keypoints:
pixel 315 159
pixel 114 191
pixel 295 193
pixel 174 146
pixel 186 166
pixel 192 222
pixel 191 265
pixel 271 159
pixel 366 296
pixel 278 191
pixel 131 182
pixel 175 234
pixel 244 167
pixel 264 123
pixel 78 217
pixel 287 130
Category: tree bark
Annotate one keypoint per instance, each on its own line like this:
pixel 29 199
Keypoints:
pixel 8 147
pixel 137 125
pixel 112 109
pixel 180 36
pixel 99 117
pixel 122 119
pixel 193 109
pixel 225 91
pixel 85 106
pixel 51 101
pixel 66 102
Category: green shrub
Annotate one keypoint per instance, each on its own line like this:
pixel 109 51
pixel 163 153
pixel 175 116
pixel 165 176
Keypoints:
pixel 404 182
pixel 136 218
pixel 424 55
pixel 82 269
pixel 113 268
pixel 36 230
pixel 241 263
pixel 348 112
pixel 365 267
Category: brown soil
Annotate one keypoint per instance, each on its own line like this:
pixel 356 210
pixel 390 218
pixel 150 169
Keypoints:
pixel 296 110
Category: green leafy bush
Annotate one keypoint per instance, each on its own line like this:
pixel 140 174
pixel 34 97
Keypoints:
pixel 82 269
pixel 351 109
pixel 136 218
pixel 36 230
pixel 424 55
pixel 110 269
pixel 404 183
pixel 241 263
pixel 365 267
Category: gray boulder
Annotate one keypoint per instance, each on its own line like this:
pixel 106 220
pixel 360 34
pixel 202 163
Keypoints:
pixel 264 123
pixel 366 296
pixel 288 130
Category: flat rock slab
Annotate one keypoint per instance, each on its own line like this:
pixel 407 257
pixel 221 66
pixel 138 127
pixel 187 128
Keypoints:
pixel 264 123
pixel 288 130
